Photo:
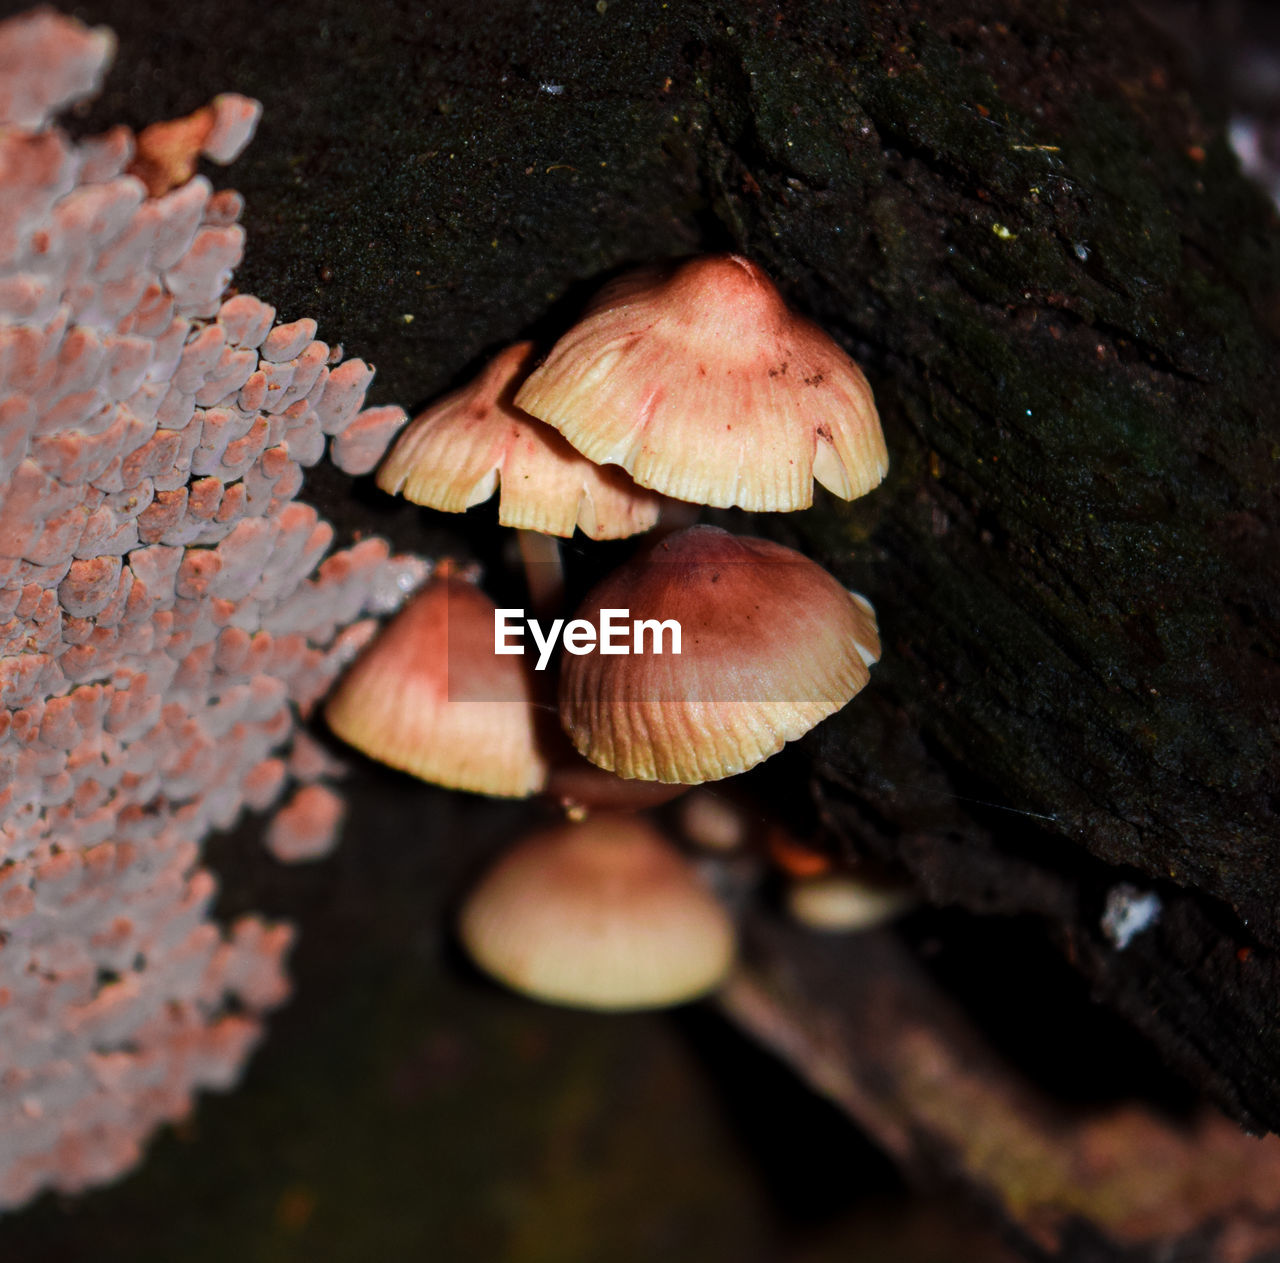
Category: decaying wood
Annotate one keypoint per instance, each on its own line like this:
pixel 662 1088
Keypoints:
pixel 862 1023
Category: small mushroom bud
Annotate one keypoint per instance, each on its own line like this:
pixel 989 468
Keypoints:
pixel 842 903
pixel 794 857
pixel 601 915
pixel 712 821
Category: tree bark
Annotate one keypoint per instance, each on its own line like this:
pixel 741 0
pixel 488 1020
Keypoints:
pixel 1115 1183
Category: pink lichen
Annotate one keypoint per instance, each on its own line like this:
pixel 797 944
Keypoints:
pixel 46 63
pixel 234 119
pixel 307 828
pixel 166 614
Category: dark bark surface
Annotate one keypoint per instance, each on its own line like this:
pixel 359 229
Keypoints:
pixel 1064 295
pixel 1120 1182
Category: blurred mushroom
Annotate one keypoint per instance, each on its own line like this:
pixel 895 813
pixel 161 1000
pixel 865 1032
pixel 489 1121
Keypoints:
pixel 712 821
pixel 699 381
pixel 770 645
pixel 601 915
pixel 842 903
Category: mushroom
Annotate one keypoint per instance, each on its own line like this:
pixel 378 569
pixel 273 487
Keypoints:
pixel 841 903
pixel 770 645
pixel 711 821
pixel 430 697
pixel 699 381
pixel 601 915
pixel 454 455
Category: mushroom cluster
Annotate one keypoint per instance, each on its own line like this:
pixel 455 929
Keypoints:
pixel 687 382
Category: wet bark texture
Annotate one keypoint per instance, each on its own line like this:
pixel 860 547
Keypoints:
pixel 1065 297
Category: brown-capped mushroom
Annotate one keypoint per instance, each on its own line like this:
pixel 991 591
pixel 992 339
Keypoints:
pixel 770 644
pixel 475 440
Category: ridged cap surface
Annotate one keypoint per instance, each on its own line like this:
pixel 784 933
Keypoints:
pixel 430 697
pixel 699 381
pixel 475 440
pixel 770 645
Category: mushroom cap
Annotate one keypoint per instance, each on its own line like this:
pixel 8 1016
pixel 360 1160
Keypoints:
pixel 601 915
pixel 430 697
pixel 770 645
pixel 840 903
pixel 474 440
pixel 699 381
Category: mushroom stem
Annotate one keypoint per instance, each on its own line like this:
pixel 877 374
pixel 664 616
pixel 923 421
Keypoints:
pixel 543 571
pixel 676 515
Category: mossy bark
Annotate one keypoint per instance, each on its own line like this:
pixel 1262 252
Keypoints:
pixel 1065 296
